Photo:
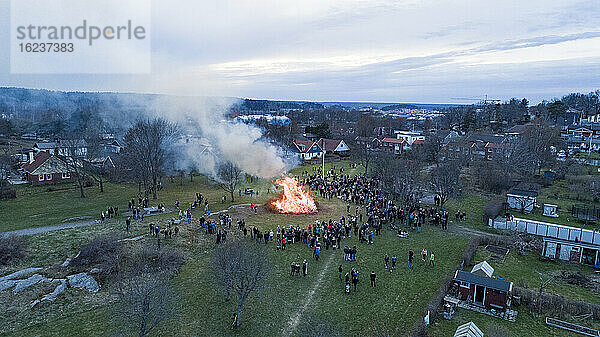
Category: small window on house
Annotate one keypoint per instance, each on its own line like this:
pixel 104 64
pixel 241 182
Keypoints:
pixel 49 176
pixel 41 177
pixel 464 284
pixel 66 175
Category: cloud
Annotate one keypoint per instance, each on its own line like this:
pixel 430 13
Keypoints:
pixel 348 50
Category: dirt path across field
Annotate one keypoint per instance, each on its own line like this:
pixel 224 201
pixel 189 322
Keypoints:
pixel 462 230
pixel 71 225
pixel 46 229
pixel 295 319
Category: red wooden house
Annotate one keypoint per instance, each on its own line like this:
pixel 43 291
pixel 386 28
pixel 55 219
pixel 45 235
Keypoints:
pixel 484 291
pixel 44 168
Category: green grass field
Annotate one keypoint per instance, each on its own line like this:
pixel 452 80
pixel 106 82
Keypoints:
pixel 36 206
pixel 392 307
pixel 526 325
pixel 561 195
pixel 398 301
pixel 523 271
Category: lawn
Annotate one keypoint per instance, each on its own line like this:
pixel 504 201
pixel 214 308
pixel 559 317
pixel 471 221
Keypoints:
pixel 394 305
pixel 523 271
pixel 37 206
pixel 526 325
pixel 561 195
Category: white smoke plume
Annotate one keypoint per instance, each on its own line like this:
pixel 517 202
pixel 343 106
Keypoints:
pixel 211 139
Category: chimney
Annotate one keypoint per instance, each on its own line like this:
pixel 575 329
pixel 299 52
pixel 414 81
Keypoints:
pixel 30 155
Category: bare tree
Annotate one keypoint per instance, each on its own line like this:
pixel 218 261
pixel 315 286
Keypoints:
pixel 445 181
pixel 366 154
pixel 148 144
pixel 400 177
pixel 147 300
pixel 240 268
pixel 533 149
pixel 95 163
pixel 545 280
pixel 229 176
pixel 73 153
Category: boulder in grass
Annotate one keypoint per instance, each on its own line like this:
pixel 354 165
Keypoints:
pixel 52 296
pixel 83 281
pixel 19 273
pixel 34 279
pixel 6 284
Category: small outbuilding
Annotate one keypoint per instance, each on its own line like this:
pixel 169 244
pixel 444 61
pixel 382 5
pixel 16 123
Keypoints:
pixel 483 291
pixel 468 330
pixel 551 210
pixel 483 269
pixel 523 197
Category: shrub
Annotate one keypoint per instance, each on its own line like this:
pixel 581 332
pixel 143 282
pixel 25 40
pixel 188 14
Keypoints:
pixel 150 260
pixel 492 209
pixel 12 249
pixel 101 249
pixel 8 193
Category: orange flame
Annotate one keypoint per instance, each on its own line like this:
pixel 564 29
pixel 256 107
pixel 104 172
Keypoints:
pixel 294 198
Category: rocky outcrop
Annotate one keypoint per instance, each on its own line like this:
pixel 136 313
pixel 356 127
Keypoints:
pixel 19 273
pixel 52 296
pixel 21 285
pixel 83 281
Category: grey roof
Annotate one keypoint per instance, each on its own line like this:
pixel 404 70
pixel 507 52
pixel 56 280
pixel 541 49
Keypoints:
pixel 520 192
pixel 485 138
pixel 487 282
pixel 46 145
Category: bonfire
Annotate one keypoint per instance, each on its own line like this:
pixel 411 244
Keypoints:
pixel 294 199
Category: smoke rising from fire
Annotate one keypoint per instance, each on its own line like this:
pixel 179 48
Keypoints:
pixel 211 139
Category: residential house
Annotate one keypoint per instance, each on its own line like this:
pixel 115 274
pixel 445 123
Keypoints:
pixel 368 142
pixel 483 291
pixel 45 168
pixel 394 145
pixel 446 136
pixel 474 146
pixel 409 136
pixel 63 147
pixel 334 146
pixel 307 149
pixel 497 151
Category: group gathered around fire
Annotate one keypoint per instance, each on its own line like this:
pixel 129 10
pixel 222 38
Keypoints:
pixel 368 209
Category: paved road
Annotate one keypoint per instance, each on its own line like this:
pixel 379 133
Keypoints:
pixel 45 229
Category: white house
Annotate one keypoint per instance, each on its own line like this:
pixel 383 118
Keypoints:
pixel 409 136
pixel 335 146
pixel 308 149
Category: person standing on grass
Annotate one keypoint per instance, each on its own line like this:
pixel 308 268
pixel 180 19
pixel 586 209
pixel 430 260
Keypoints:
pixel 304 268
pixel 354 278
pixel 424 254
pixel 128 224
pixel 432 260
pixel 410 259
pixel 340 271
pixel 373 279
pixel 387 260
pixel 394 259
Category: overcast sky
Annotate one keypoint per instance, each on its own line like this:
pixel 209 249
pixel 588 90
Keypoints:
pixel 343 50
